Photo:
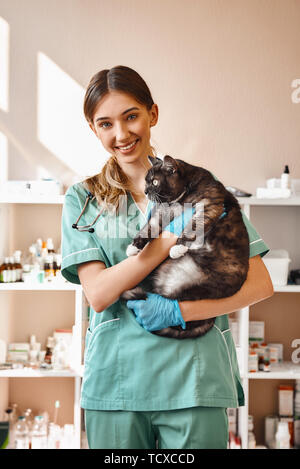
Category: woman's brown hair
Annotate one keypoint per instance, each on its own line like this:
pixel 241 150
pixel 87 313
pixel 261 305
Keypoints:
pixel 111 182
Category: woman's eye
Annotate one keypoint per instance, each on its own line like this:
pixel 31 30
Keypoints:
pixel 155 182
pixel 103 124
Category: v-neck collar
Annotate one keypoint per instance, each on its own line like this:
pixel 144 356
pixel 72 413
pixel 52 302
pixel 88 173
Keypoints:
pixel 148 208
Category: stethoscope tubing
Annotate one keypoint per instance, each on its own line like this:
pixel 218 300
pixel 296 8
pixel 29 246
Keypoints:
pixel 88 228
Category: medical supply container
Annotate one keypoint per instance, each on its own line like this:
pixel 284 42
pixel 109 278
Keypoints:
pixel 251 436
pixel 277 262
pixel 21 434
pixel 271 423
pixel 253 361
pixel 286 400
pixel 282 436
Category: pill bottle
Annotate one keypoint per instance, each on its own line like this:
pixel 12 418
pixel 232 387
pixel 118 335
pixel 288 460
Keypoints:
pixel 252 361
pixel 282 436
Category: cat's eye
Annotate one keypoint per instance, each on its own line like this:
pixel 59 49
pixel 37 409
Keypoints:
pixel 155 182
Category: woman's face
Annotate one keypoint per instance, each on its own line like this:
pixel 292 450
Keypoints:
pixel 120 121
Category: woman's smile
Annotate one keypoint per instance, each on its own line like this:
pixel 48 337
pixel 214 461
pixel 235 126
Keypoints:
pixel 128 148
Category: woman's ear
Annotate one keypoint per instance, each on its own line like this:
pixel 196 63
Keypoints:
pixel 153 115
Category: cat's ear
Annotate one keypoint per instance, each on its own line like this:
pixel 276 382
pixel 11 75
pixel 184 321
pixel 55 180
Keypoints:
pixel 153 161
pixel 170 163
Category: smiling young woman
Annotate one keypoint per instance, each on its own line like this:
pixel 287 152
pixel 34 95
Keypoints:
pixel 141 390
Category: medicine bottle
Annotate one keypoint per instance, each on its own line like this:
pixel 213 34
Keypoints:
pixel 21 434
pixel 2 268
pixel 49 350
pixel 50 246
pixel 285 178
pixel 48 268
pixel 18 266
pixel 8 271
pixel 282 436
pixel 251 436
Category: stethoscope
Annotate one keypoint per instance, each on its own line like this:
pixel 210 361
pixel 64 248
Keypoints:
pixel 89 197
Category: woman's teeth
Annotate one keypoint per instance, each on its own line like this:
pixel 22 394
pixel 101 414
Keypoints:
pixel 128 146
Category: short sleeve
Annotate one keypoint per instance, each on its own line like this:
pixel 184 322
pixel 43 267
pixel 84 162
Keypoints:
pixel 256 243
pixel 76 246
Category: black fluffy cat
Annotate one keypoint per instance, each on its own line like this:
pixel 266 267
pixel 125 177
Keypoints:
pixel 209 261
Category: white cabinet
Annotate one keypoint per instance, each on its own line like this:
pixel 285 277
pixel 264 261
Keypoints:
pixel 39 309
pixel 278 222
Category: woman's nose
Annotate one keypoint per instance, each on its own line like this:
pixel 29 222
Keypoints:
pixel 122 133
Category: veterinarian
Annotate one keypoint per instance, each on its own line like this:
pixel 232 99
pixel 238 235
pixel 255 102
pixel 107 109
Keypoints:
pixel 141 390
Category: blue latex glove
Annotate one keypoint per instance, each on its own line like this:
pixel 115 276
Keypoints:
pixel 157 312
pixel 177 225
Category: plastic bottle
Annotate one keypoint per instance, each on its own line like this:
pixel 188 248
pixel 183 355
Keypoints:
pixel 2 268
pixel 44 252
pixel 28 414
pixel 18 265
pixel 7 272
pixel 49 350
pixel 251 436
pixel 21 434
pixel 285 178
pixel 13 269
pixel 48 268
pixel 39 433
pixel 57 267
pixel 60 355
pixel 50 246
pixel 282 436
pixel 11 434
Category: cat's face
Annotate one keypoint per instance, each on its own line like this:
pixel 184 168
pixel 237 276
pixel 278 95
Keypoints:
pixel 164 181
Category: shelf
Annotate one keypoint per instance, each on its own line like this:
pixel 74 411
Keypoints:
pixel 255 201
pixel 31 373
pixel 285 370
pixel 32 199
pixel 287 288
pixel 51 286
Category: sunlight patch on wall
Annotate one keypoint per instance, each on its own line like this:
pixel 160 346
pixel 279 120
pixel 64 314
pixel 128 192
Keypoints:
pixel 4 64
pixel 3 158
pixel 61 125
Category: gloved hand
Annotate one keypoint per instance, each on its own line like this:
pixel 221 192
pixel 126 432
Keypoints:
pixel 177 225
pixel 157 312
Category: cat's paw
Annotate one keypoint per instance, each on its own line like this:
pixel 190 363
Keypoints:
pixel 132 250
pixel 177 251
pixel 140 242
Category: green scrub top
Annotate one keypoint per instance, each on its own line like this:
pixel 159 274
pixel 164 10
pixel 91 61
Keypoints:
pixel 125 366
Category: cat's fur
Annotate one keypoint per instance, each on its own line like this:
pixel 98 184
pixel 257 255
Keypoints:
pixel 215 268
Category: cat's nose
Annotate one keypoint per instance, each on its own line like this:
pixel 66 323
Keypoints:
pixel 146 191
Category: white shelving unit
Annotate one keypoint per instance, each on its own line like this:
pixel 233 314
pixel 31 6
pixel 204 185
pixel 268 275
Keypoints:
pixel 285 370
pixel 48 288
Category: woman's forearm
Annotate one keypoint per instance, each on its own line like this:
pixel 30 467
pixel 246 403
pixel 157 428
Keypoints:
pixel 113 281
pixel 257 287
